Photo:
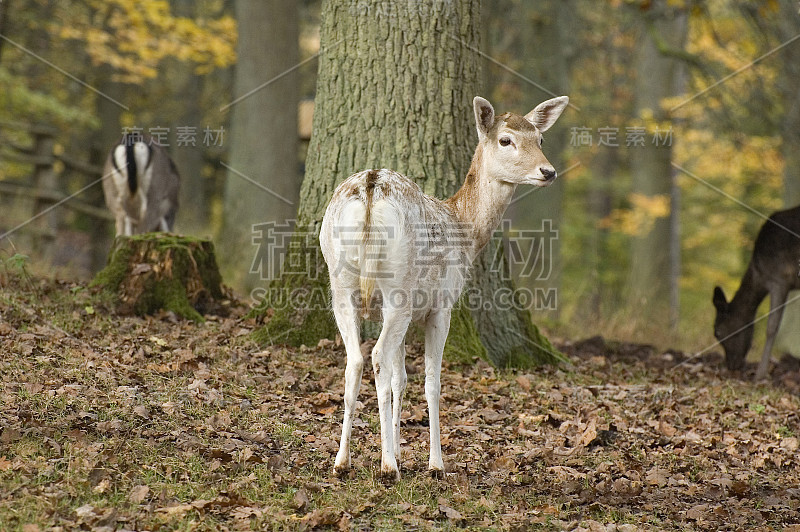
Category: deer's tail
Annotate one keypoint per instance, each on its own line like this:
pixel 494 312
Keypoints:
pixel 369 249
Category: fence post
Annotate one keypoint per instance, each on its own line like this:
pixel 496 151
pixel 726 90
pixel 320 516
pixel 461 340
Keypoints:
pixel 44 180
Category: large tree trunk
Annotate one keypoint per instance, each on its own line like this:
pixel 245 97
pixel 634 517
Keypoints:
pixel 394 90
pixel 262 185
pixel 658 77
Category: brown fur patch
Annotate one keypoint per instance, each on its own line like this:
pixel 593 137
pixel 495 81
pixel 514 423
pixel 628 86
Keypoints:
pixel 367 284
pixel 467 194
pixel 369 190
pixel 512 121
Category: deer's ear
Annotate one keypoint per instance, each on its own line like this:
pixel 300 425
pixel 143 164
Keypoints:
pixel 546 113
pixel 484 115
pixel 720 302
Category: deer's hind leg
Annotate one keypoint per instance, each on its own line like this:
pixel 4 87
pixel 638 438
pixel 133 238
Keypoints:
pixel 386 356
pixel 399 382
pixel 348 323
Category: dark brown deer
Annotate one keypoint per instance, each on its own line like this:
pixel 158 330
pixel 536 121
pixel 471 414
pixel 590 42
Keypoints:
pixel 773 271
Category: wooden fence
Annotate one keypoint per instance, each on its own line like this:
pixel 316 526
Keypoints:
pixel 45 185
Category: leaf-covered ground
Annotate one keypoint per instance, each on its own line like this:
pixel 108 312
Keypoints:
pixel 142 424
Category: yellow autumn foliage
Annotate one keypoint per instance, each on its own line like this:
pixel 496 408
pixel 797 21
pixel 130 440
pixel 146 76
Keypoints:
pixel 639 218
pixel 135 37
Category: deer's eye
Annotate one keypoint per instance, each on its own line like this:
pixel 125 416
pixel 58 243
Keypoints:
pixel 505 141
pixel 541 141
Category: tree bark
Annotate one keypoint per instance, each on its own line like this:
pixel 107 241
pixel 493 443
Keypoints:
pixel 394 90
pixel 651 164
pixel 262 184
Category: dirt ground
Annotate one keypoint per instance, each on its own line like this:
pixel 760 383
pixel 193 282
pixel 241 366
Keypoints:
pixel 125 423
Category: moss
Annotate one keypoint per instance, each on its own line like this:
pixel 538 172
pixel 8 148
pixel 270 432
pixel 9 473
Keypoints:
pixel 541 351
pixel 296 308
pixel 180 275
pixel 116 268
pixel 463 341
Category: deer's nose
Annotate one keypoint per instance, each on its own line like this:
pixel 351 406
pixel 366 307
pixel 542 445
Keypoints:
pixel 548 173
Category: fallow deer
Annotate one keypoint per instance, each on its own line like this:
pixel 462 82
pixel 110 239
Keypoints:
pixel 773 270
pixel 141 185
pixel 395 255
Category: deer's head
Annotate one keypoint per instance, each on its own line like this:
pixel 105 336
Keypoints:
pixel 512 144
pixel 733 330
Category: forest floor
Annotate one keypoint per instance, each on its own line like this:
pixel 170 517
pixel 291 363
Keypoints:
pixel 115 422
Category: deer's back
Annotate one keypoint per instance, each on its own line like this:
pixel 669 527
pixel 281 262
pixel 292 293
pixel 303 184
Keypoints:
pixel 776 253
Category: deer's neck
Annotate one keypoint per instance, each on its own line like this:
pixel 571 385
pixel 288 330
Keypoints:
pixel 480 202
pixel 750 294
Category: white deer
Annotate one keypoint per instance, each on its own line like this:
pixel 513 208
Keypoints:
pixel 396 254
pixel 140 185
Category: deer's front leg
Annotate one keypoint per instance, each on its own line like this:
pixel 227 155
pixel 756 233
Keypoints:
pixel 436 329
pixel 347 320
pixel 777 298
pixel 128 226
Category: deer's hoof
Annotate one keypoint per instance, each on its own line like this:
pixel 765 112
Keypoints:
pixel 390 474
pixel 437 474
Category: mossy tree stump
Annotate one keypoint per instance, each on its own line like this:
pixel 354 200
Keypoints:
pixel 154 271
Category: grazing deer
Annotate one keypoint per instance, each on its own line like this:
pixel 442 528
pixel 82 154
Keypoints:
pixel 141 184
pixel 773 270
pixel 395 254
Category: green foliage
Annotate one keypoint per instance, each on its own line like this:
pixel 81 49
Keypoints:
pixel 16 262
pixel 39 106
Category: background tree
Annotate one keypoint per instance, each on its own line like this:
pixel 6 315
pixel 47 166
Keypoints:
pixel 262 183
pixel 659 77
pixel 188 156
pixel 394 90
pixel 547 27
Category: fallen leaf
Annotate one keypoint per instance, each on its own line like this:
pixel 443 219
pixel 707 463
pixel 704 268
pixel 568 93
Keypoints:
pixel 450 513
pixel 87 510
pixel 300 501
pixel 138 493
pixel 177 510
pixel 697 512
